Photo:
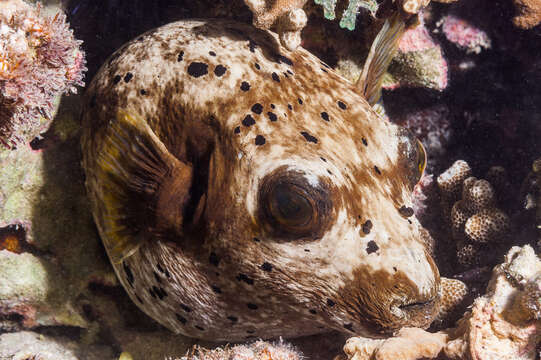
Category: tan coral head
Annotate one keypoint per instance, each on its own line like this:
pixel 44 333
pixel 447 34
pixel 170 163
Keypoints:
pixel 262 196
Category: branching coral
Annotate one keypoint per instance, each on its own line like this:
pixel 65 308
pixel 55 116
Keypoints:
pixel 287 15
pixel 475 219
pixel 40 61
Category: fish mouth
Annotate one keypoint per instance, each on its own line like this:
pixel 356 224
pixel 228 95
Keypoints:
pixel 417 313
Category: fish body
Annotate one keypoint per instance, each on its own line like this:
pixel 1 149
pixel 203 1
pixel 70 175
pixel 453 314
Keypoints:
pixel 242 190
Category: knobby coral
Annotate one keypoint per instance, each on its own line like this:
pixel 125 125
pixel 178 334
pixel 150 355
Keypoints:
pixel 39 61
pixel 471 206
pixel 529 13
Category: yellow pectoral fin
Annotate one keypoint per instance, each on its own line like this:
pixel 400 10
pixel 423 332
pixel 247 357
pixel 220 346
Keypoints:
pixel 142 185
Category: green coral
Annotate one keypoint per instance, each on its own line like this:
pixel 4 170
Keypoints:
pixel 350 14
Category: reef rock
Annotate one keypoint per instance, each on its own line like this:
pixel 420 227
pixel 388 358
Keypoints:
pixel 504 324
pixel 529 13
pixel 259 350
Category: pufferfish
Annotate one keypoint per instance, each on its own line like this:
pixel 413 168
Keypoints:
pixel 243 190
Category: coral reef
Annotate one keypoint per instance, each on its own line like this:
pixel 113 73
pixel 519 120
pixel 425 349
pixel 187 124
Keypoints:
pixel 502 325
pixel 40 60
pixel 34 346
pixel 529 13
pixel 287 15
pixel 471 204
pixel 259 350
pixel 464 35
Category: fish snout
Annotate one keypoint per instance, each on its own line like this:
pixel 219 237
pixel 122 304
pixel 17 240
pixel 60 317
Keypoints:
pixel 416 300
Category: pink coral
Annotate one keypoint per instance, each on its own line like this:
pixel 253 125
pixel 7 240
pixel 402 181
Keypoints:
pixel 464 35
pixel 40 61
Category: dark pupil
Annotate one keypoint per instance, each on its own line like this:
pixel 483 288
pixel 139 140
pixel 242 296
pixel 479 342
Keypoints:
pixel 289 206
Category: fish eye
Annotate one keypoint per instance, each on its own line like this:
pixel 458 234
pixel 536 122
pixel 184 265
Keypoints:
pixel 292 208
pixel 414 156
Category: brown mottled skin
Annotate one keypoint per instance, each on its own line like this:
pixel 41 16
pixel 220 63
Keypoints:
pixel 242 190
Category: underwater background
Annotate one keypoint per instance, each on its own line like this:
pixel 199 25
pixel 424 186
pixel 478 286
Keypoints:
pixel 466 81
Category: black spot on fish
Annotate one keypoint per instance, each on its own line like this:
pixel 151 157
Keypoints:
pixel 266 266
pixel 212 53
pixel 275 77
pixel 142 92
pixel 233 319
pixel 307 250
pixel 197 69
pixel 252 306
pixel 199 328
pixel 180 56
pixel 325 116
pixel 219 70
pixel 256 239
pixel 237 130
pixel 160 292
pixel 139 299
pixel 216 289
pixel 151 292
pixel 272 116
pixel 341 105
pixel 129 274
pixel 367 226
pixel 257 108
pixel 181 319
pixel 246 279
pixel 300 101
pixel 185 308
pixel 252 45
pixel 309 137
pixel 256 65
pixel 323 159
pixel 248 121
pixel 160 269
pixel 376 169
pixel 325 71
pixel 330 303
pixel 260 140
pixel 117 79
pixel 312 311
pixel 322 63
pixel 349 326
pixel 214 259
pixel 365 143
pixel 250 331
pixel 244 86
pixel 405 211
pixel 289 72
pixel 285 60
pixel 289 107
pixel 128 77
pixel 372 247
pixel 157 277
pixel 273 106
